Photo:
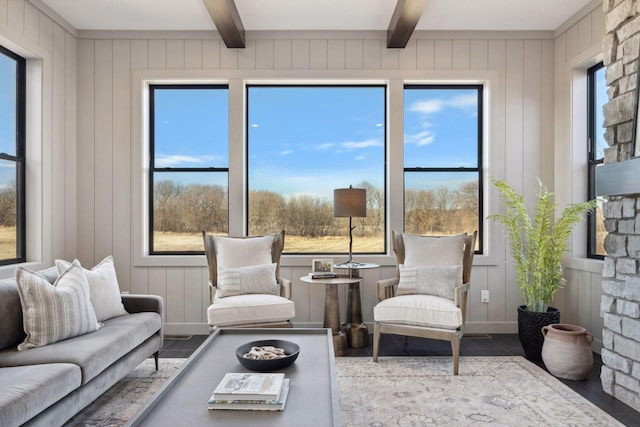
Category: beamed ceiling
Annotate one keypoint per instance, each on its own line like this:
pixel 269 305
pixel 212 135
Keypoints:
pixel 399 18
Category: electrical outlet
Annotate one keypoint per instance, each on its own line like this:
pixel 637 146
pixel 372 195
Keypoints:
pixel 484 296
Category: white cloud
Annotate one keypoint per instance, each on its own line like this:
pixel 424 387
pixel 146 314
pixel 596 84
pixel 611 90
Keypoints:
pixel 254 125
pixel 378 125
pixel 420 139
pixel 431 106
pixel 169 161
pixel 352 145
pixel 324 146
pixel 428 106
pixel 286 152
pixel 464 101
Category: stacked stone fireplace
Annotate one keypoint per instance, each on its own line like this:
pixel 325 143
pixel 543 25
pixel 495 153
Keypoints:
pixel 620 305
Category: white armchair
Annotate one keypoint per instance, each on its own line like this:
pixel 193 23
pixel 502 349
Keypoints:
pixel 245 287
pixel 428 298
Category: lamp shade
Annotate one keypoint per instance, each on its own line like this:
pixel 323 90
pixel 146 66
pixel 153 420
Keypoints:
pixel 349 202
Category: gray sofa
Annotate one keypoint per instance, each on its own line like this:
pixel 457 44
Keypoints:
pixel 46 386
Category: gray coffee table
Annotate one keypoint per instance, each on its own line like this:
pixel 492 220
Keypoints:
pixel 313 395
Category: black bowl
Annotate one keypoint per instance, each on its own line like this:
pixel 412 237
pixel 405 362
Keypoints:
pixel 290 349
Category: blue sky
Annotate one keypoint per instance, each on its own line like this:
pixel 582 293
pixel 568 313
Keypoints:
pixel 7 117
pixel 311 140
pixel 601 99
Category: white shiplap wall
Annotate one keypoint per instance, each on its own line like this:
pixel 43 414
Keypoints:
pixel 51 53
pixel 577 47
pixel 517 66
pixel 526 75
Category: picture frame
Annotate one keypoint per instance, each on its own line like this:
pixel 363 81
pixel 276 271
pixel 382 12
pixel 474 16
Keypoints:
pixel 322 265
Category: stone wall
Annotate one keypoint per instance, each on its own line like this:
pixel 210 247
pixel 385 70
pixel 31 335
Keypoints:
pixel 620 305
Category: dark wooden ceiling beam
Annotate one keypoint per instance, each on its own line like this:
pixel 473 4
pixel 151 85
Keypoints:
pixel 404 20
pixel 227 20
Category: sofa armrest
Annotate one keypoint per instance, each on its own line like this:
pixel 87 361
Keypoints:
pixel 386 288
pixel 285 287
pixel 138 303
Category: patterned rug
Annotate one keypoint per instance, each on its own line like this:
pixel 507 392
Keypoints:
pixel 489 391
pixel 404 391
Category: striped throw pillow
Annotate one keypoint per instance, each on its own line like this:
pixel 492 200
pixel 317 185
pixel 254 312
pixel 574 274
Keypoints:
pixel 52 313
pixel 253 279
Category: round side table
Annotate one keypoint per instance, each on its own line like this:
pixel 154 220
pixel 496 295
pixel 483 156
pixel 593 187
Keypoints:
pixel 332 308
pixel 354 328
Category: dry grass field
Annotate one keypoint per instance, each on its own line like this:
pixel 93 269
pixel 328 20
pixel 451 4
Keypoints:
pixel 7 242
pixel 333 244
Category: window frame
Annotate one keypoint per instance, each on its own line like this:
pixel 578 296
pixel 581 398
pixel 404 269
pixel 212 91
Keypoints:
pixel 153 169
pixel 385 148
pixel 592 162
pixel 478 169
pixel 19 158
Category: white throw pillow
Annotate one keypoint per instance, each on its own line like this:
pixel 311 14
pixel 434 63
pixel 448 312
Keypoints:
pixel 430 280
pixel 52 313
pixel 423 250
pixel 253 279
pixel 241 252
pixel 103 288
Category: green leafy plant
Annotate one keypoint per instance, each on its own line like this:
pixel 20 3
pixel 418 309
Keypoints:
pixel 537 244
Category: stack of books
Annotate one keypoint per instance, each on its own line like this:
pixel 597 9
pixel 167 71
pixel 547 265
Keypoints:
pixel 251 392
pixel 323 275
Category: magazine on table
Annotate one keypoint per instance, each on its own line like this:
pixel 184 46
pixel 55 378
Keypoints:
pixel 254 405
pixel 249 386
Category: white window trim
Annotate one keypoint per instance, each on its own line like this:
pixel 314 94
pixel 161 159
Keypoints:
pixel 39 236
pixel 494 147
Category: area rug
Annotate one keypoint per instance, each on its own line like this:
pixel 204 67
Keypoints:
pixel 489 391
pixel 403 391
pixel 115 407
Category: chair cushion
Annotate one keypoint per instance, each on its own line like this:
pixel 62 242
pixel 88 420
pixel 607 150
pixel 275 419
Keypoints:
pixel 55 312
pixel 438 280
pixel 104 290
pixel 424 250
pixel 248 309
pixel 419 310
pixel 241 252
pixel 252 279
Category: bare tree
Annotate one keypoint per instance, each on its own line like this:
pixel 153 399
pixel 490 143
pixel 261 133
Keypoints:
pixel 266 212
pixel 8 205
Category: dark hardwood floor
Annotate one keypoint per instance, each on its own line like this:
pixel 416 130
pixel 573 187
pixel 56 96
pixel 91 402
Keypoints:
pixel 472 345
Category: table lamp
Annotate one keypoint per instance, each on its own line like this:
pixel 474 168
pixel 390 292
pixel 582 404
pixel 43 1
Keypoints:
pixel 350 202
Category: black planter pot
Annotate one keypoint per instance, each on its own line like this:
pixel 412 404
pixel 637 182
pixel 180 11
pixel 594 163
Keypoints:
pixel 530 325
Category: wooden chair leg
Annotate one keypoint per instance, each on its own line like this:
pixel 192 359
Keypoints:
pixel 376 341
pixel 455 350
pixel 155 356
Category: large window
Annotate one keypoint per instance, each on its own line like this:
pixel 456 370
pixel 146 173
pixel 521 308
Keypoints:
pixel 189 167
pixel 443 159
pixel 304 142
pixel 12 162
pixel 596 98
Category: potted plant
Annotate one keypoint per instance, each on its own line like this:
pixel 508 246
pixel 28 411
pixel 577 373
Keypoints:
pixel 537 246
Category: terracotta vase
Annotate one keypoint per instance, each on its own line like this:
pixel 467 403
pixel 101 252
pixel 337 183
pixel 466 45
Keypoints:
pixel 566 351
